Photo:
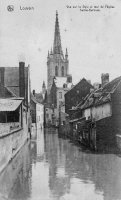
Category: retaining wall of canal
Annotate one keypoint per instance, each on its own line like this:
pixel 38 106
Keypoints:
pixel 16 173
pixel 10 145
pixel 12 141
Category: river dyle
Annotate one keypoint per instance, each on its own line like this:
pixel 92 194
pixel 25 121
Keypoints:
pixel 53 168
pixel 60 104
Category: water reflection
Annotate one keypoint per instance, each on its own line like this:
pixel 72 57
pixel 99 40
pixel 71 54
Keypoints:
pixel 15 180
pixel 51 168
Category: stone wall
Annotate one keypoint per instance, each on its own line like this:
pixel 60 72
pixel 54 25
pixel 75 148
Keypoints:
pixel 10 145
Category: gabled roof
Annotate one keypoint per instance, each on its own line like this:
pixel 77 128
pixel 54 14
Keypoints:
pixel 100 96
pixel 6 92
pixel 33 99
pixel 111 86
pixel 79 83
pixel 39 97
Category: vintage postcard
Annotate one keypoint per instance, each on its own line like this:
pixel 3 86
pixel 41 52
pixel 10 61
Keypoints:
pixel 60 100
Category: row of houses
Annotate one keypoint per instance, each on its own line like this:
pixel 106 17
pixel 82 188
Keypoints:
pixel 37 111
pixel 16 111
pixel 55 100
pixel 93 114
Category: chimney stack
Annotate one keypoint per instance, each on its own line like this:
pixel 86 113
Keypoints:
pixel 34 93
pixel 104 79
pixel 22 79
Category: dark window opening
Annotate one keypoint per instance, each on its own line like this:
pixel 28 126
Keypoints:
pixel 13 116
pixel 56 71
pixel 7 117
pixel 0 77
pixel 33 117
pixel 62 70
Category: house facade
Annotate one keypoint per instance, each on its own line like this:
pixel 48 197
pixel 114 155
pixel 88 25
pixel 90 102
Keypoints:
pixel 15 121
pixel 101 112
pixel 37 113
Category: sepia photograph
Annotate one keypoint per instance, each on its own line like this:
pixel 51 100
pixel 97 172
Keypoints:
pixel 60 100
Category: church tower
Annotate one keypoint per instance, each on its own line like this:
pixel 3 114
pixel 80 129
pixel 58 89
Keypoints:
pixel 57 62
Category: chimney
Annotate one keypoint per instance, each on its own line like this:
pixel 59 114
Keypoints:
pixel 34 93
pixel 104 79
pixel 2 75
pixel 22 79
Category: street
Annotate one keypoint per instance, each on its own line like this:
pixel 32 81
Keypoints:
pixel 53 168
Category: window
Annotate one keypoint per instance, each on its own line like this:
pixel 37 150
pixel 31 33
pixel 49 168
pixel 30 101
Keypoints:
pixel 64 85
pixel 0 77
pixel 62 70
pixel 60 103
pixel 56 71
pixel 60 95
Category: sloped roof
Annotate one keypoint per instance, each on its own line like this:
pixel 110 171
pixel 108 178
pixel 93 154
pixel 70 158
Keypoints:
pixel 79 84
pixel 33 99
pixel 11 78
pixel 39 97
pixel 6 92
pixel 101 95
pixel 9 104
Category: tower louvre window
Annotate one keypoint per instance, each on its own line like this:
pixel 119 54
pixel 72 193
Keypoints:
pixel 56 71
pixel 62 70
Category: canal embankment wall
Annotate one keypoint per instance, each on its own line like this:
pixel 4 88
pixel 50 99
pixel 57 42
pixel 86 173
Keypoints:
pixel 10 145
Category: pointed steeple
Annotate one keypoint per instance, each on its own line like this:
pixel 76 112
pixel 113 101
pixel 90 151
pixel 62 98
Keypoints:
pixel 43 88
pixel 51 52
pixel 66 55
pixel 48 54
pixel 57 48
pixel 43 85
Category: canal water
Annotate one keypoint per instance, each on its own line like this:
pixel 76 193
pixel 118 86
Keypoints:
pixel 52 168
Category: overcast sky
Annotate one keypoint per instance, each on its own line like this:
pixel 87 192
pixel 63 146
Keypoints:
pixel 93 39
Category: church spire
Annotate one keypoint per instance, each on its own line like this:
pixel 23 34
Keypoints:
pixel 57 49
pixel 66 55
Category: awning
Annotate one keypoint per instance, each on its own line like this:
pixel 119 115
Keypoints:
pixel 77 119
pixel 9 104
